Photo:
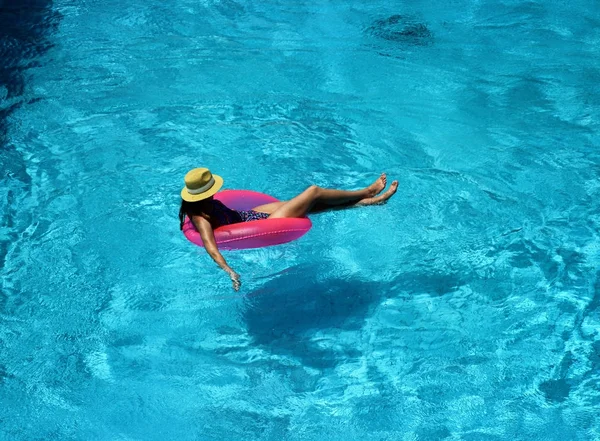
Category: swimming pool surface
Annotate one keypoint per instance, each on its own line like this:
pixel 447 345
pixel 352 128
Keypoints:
pixel 467 308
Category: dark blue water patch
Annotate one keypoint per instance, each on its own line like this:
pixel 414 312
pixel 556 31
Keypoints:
pixel 397 36
pixel 230 9
pixel 25 30
pixel 556 390
pixel 401 30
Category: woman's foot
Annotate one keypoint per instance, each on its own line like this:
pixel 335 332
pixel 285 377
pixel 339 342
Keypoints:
pixel 377 187
pixel 381 198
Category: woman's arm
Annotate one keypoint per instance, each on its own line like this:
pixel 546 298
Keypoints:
pixel 208 237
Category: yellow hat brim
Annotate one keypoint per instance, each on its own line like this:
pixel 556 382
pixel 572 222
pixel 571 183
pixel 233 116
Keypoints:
pixel 188 197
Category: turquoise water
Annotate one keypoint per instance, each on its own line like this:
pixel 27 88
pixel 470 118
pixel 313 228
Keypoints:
pixel 467 308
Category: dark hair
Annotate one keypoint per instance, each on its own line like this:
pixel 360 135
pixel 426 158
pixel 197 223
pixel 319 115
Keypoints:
pixel 190 209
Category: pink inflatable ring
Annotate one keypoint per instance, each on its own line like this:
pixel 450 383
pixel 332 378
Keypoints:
pixel 253 234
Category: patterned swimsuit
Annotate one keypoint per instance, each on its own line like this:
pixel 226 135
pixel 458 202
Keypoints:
pixel 251 215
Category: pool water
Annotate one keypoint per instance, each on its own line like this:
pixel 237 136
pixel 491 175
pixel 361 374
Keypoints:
pixel 467 308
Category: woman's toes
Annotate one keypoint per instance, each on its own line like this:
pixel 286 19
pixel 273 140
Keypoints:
pixel 377 187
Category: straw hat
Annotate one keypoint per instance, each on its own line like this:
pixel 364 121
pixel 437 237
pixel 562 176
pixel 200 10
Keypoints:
pixel 200 184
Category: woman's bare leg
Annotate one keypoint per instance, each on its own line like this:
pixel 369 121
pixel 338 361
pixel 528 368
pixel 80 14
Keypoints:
pixel 380 199
pixel 270 207
pixel 303 203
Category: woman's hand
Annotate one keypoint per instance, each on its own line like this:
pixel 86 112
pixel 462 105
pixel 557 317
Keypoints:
pixel 235 280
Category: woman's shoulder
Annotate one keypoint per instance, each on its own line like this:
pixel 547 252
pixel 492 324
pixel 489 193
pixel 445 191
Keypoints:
pixel 202 224
pixel 200 218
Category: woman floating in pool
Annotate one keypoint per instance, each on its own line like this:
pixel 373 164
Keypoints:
pixel 208 214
